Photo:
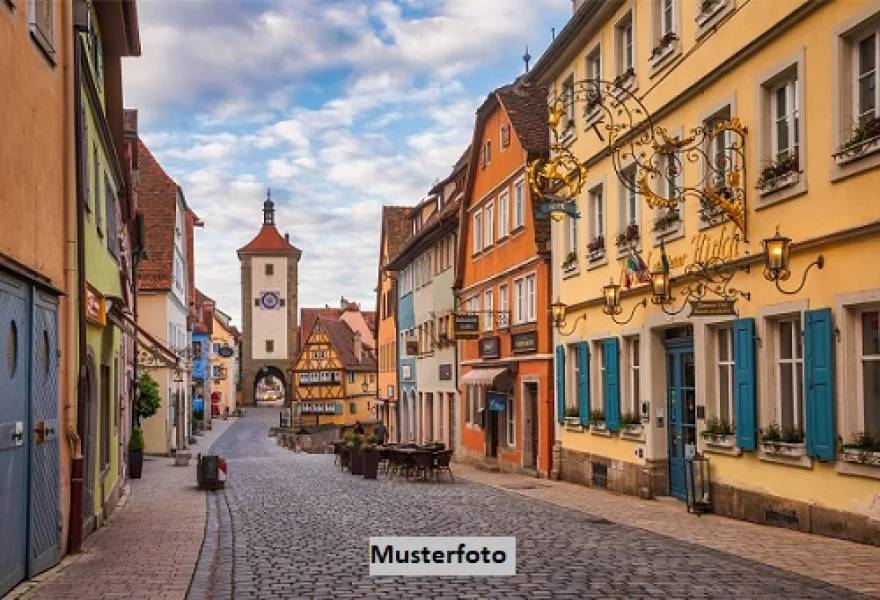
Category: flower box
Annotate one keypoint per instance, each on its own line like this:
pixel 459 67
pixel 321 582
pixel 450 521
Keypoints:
pixel 573 424
pixel 633 430
pixel 598 428
pixel 664 48
pixel 778 183
pixel 856 151
pixel 708 10
pixel 625 80
pixel 861 457
pixel 668 221
pixel 784 449
pixel 628 235
pixel 570 268
pixel 720 441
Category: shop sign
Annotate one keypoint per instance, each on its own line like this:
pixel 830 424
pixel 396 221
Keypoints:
pixel 412 348
pixel 490 347
pixel 496 401
pixel 713 308
pixel 525 342
pixel 706 247
pixel 226 352
pixel 445 372
pixel 317 408
pixel 466 326
pixel 95 308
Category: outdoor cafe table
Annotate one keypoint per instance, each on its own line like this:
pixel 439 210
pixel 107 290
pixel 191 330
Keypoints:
pixel 411 453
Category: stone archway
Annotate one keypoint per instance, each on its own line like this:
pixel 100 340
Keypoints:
pixel 271 373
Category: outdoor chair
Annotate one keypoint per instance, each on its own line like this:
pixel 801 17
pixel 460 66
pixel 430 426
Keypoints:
pixel 441 463
pixel 344 456
pixel 422 463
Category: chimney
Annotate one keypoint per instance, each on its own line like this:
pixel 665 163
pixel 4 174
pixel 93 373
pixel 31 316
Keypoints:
pixel 357 346
pixel 286 237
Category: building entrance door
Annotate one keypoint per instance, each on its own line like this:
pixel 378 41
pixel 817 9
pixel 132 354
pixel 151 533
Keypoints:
pixel 680 401
pixel 530 426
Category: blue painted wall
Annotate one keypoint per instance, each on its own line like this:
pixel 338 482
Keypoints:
pixel 405 320
pixel 200 363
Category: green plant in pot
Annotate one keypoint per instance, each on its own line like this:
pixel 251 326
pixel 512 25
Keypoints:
pixel 149 401
pixel 136 453
pixel 597 418
pixel 370 455
pixel 355 443
pixel 572 412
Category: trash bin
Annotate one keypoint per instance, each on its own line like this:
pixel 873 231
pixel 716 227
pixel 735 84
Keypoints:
pixel 210 472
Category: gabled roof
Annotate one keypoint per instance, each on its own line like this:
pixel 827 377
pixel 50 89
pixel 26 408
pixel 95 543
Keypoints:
pixel 269 242
pixel 341 337
pixel 308 317
pixel 526 107
pixel 157 202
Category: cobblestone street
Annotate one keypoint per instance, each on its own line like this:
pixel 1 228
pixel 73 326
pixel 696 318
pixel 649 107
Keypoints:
pixel 300 529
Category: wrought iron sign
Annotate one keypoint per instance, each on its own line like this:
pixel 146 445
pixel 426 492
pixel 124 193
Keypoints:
pixel 466 326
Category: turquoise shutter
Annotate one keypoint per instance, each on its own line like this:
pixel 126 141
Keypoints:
pixel 819 384
pixel 584 382
pixel 612 384
pixel 338 408
pixel 744 381
pixel 560 383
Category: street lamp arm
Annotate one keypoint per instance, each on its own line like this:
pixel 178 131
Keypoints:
pixel 573 326
pixel 819 262
pixel 643 304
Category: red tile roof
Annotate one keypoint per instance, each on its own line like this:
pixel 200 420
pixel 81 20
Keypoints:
pixel 157 202
pixel 341 338
pixel 270 242
pixel 308 316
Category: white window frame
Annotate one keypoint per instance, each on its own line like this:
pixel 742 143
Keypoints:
pixel 478 231
pixel 488 320
pixel 519 301
pixel 597 212
pixel 489 238
pixel 667 8
pixel 510 420
pixel 797 365
pixel 531 298
pixel 625 42
pixel 571 241
pixel 519 204
pixel 728 366
pixel 791 87
pixel 597 360
pixel 503 214
pixel 503 316
pixel 634 361
pixel 861 359
pixel 856 74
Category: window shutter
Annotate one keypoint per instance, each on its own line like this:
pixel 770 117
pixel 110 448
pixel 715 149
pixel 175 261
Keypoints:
pixel 612 384
pixel 583 357
pixel 744 380
pixel 819 384
pixel 338 408
pixel 560 384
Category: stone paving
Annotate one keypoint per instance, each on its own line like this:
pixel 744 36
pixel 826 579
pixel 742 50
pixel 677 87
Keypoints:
pixel 148 547
pixel 300 529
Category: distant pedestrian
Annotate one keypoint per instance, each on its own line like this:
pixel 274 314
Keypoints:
pixel 358 428
pixel 381 432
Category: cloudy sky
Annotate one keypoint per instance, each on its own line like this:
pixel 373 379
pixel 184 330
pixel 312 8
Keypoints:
pixel 338 106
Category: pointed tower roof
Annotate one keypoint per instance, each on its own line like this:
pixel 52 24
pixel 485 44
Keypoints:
pixel 269 242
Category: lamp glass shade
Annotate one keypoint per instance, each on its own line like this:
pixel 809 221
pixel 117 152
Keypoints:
pixel 612 296
pixel 557 309
pixel 776 252
pixel 660 285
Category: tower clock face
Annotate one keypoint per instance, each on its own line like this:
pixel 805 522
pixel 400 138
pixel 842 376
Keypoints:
pixel 270 300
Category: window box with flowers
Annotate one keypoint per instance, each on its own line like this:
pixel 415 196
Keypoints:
pixel 573 419
pixel 629 236
pixel 592 105
pixel 863 449
pixel 570 263
pixel 597 423
pixel 788 443
pixel 668 220
pixel 665 47
pixel 631 426
pixel 625 80
pixel 865 140
pixel 710 214
pixel 708 10
pixel 596 248
pixel 778 175
pixel 719 434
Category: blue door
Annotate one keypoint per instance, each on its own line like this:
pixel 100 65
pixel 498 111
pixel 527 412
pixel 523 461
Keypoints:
pixel 14 430
pixel 680 401
pixel 44 535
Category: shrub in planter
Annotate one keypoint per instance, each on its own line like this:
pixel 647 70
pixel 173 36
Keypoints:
pixel 572 412
pixel 597 418
pixel 570 259
pixel 136 453
pixel 148 400
pixel 863 132
pixel 777 169
pixel 863 448
pixel 716 428
pixel 597 245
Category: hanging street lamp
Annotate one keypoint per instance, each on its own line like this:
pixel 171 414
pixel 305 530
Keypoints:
pixel 777 254
pixel 612 308
pixel 558 311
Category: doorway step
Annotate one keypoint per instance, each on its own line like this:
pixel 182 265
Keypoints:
pixel 489 465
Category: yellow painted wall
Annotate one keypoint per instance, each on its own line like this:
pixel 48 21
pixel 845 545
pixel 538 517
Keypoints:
pixel 152 318
pixel 831 203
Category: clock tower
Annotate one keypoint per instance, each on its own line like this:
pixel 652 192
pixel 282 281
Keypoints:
pixel 269 308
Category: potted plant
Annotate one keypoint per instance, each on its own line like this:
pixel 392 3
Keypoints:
pixel 788 443
pixel 778 174
pixel 718 432
pixel 865 137
pixel 570 260
pixel 622 79
pixel 631 425
pixel 660 50
pixel 148 399
pixel 136 453
pixel 370 455
pixel 596 247
pixel 628 235
pixel 597 420
pixel 864 448
pixel 667 220
pixel 572 417
pixel 355 443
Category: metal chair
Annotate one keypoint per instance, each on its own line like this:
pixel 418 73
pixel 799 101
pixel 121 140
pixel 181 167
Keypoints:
pixel 422 463
pixel 441 463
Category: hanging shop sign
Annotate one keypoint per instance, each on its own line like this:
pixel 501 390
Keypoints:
pixel 226 352
pixel 490 347
pixel 713 308
pixel 524 342
pixel 496 401
pixel 466 326
pixel 95 307
pixel 559 206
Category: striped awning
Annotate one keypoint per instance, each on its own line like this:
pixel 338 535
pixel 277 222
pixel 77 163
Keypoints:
pixel 485 377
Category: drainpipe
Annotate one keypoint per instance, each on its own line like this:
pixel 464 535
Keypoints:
pixel 76 481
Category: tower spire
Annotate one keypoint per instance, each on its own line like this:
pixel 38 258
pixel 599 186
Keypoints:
pixel 268 209
pixel 527 58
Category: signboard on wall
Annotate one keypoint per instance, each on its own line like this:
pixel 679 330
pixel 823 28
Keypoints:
pixel 490 347
pixel 466 326
pixel 226 352
pixel 95 308
pixel 444 372
pixel 496 401
pixel 713 308
pixel 524 342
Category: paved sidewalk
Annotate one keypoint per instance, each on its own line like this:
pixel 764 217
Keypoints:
pixel 846 564
pixel 148 548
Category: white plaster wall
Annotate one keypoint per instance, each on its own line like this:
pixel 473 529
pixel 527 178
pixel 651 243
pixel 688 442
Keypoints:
pixel 268 324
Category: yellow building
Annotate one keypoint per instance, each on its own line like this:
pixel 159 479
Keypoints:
pixel 223 364
pixel 773 394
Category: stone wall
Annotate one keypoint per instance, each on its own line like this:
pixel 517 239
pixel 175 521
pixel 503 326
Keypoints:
pixel 644 481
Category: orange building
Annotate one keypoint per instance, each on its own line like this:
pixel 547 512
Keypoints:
pixel 503 289
pixel 394 233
